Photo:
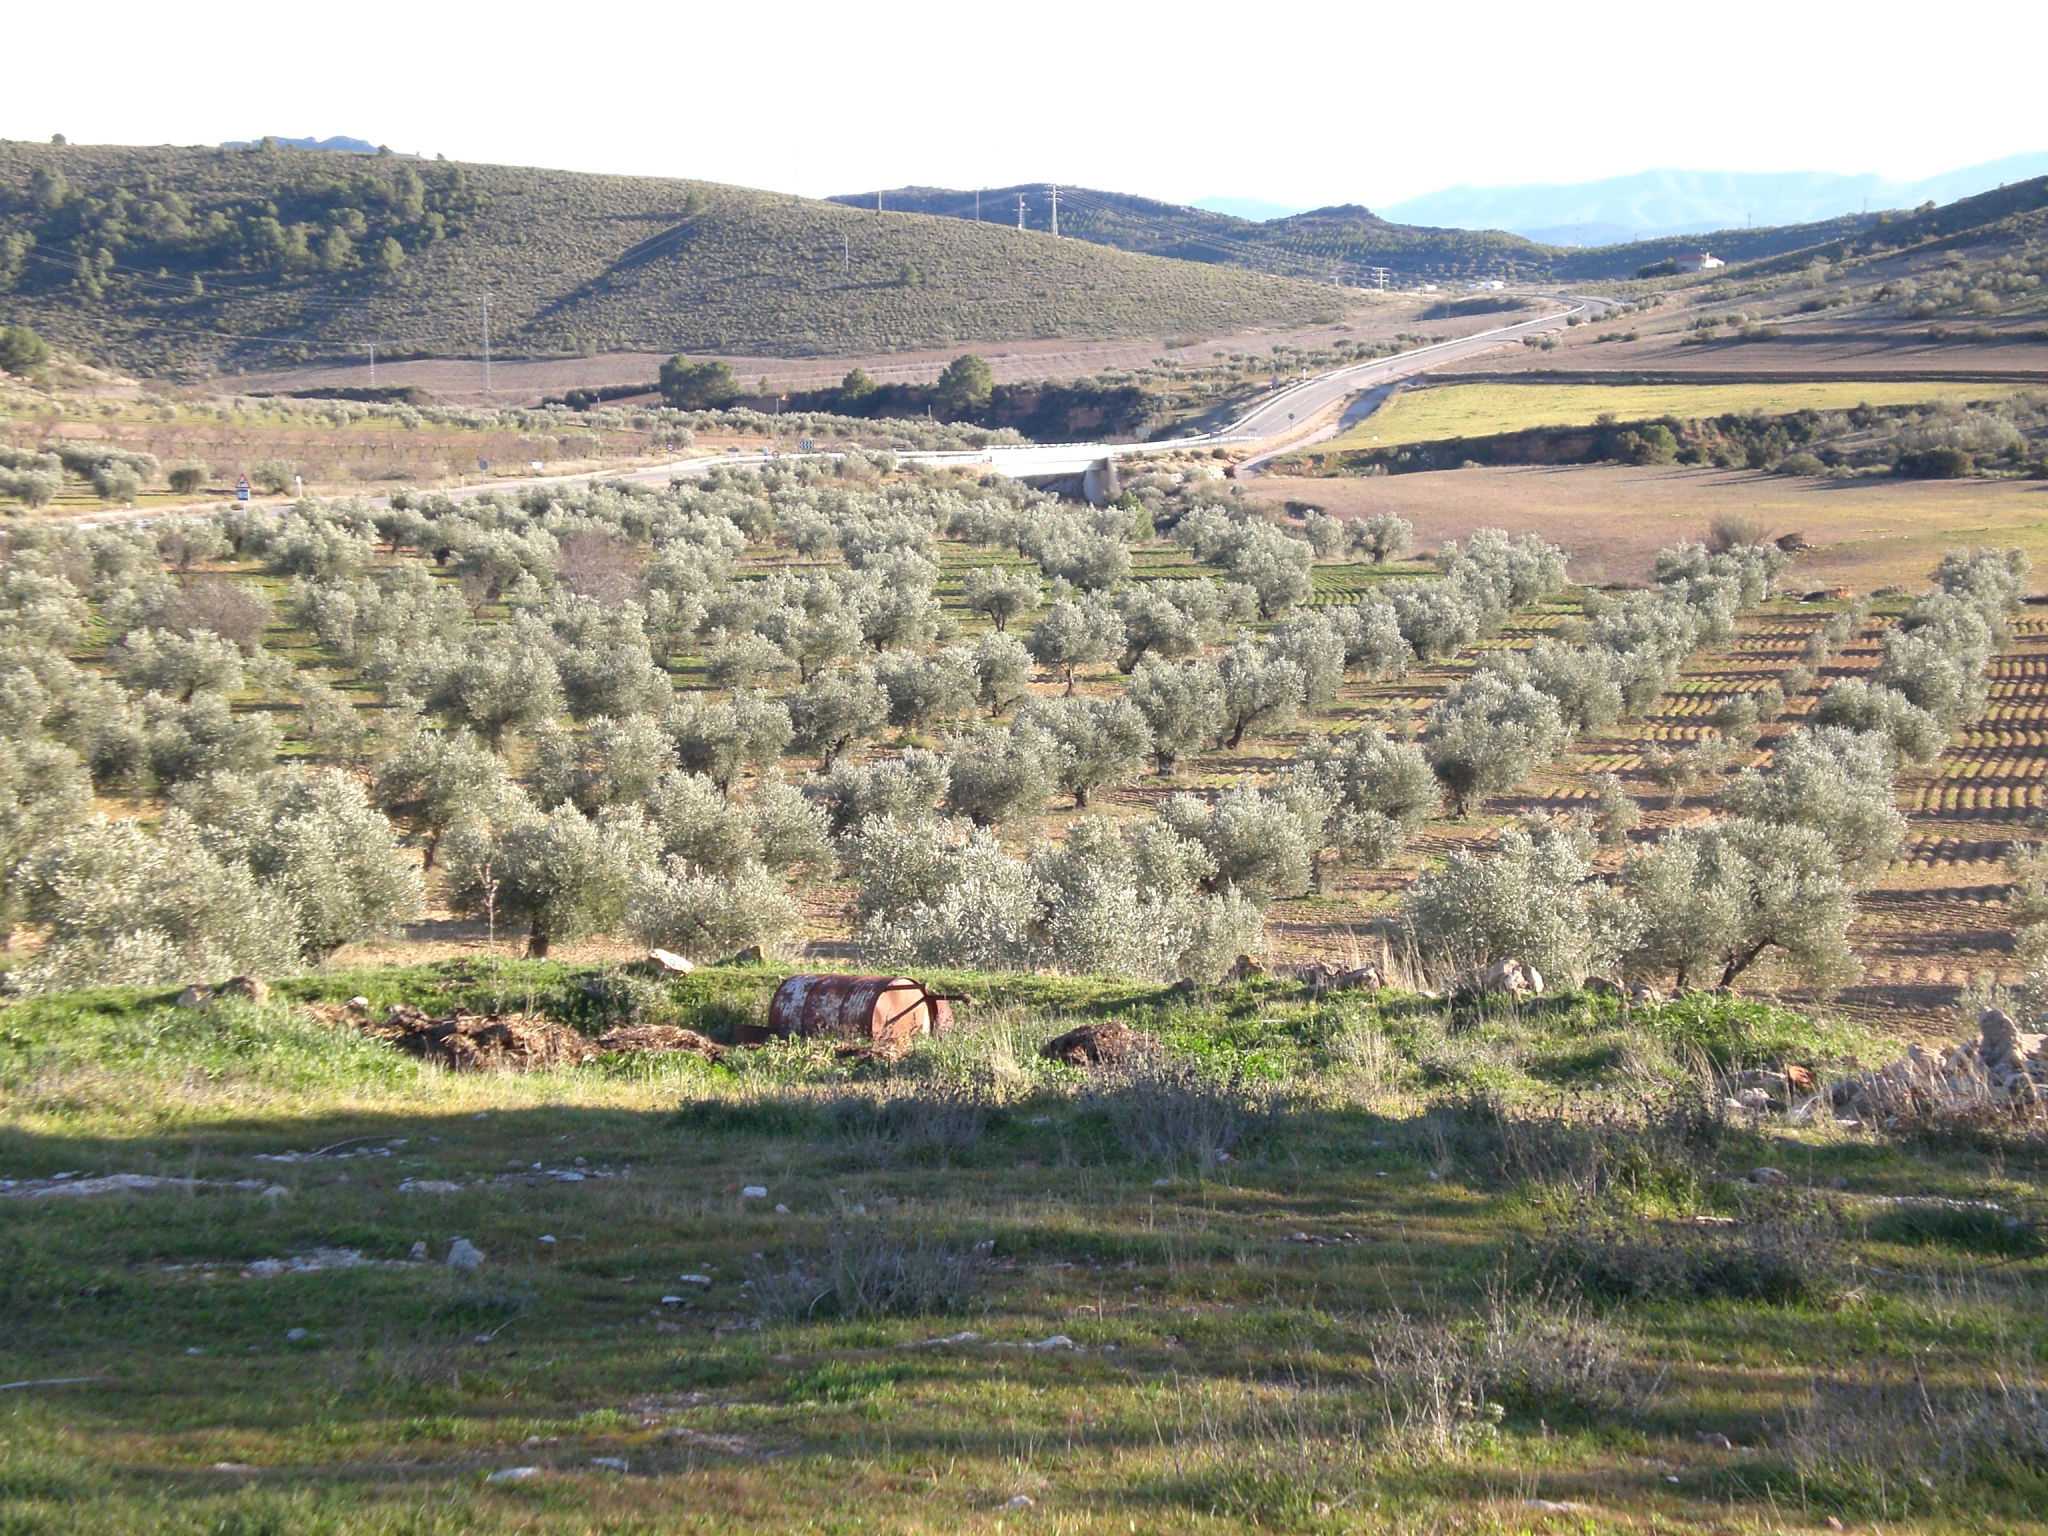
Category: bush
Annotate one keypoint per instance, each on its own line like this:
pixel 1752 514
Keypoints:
pixel 870 1271
pixel 1165 1111
pixel 1782 1248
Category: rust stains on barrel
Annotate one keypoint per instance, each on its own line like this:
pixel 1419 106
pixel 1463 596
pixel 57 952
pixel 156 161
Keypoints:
pixel 879 1010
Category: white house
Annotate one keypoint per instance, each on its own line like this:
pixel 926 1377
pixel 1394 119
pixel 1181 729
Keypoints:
pixel 1697 261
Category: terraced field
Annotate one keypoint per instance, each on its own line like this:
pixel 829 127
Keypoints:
pixel 1936 923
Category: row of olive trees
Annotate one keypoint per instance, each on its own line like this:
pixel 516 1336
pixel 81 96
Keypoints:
pixel 1520 710
pixel 1777 872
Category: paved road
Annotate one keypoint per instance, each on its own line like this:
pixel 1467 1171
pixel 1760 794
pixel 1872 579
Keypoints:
pixel 1282 420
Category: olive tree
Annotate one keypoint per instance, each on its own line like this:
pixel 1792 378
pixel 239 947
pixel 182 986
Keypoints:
pixel 678 907
pixel 121 905
pixel 1074 633
pixel 1003 594
pixel 997 776
pixel 433 780
pixel 722 740
pixel 1261 691
pixel 837 710
pixel 1182 704
pixel 1091 743
pixel 1489 735
pixel 1710 901
pixel 559 875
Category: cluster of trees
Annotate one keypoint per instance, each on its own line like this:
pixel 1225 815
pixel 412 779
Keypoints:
pixel 1776 873
pixel 534 749
pixel 1519 710
pixel 311 219
pixel 1947 439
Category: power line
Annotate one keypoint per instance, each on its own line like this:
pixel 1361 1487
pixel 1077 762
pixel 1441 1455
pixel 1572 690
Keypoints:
pixel 486 299
pixel 1055 191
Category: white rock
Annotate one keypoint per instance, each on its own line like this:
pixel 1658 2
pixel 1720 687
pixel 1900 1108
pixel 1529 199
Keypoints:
pixel 1057 1341
pixel 419 1253
pixel 513 1474
pixel 754 1192
pixel 671 1301
pixel 1770 1177
pixel 782 1210
pixel 547 1237
pixel 293 1335
pixel 1020 1501
pixel 463 1254
pixel 609 1463
pixel 669 960
pixel 694 1279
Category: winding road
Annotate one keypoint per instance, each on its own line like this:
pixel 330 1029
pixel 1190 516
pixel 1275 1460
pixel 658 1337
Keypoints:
pixel 1289 417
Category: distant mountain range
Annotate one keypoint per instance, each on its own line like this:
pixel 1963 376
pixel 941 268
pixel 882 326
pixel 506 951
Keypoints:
pixel 338 143
pixel 1667 202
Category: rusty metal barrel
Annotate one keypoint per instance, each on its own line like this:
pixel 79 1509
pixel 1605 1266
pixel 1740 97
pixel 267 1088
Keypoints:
pixel 885 1011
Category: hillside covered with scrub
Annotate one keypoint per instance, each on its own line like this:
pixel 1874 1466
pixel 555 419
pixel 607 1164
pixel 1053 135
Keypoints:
pixel 194 260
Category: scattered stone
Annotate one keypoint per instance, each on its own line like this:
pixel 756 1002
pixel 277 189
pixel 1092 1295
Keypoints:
pixel 1057 1341
pixel 660 1037
pixel 463 1254
pixel 357 1004
pixel 2003 1071
pixel 546 1237
pixel 513 1475
pixel 419 1253
pixel 610 1463
pixel 669 960
pixel 754 1192
pixel 430 1186
pixel 250 989
pixel 1020 1501
pixel 1600 986
pixel 696 1280
pixel 751 955
pixel 1322 977
pixel 1770 1178
pixel 1644 997
pixel 671 1301
pixel 1719 1442
pixel 967 1336
pixel 1553 1506
pixel 1243 968
pixel 1511 978
pixel 198 995
pixel 1108 1044
pixel 294 1335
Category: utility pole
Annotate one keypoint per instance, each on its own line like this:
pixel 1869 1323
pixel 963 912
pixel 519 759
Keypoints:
pixel 1020 210
pixel 486 298
pixel 1055 191
pixel 846 253
pixel 878 202
pixel 977 204
pixel 373 365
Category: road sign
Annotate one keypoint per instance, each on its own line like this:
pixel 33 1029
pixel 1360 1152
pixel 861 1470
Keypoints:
pixel 241 487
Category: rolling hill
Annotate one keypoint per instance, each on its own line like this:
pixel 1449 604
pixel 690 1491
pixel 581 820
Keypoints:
pixel 195 260
pixel 1329 244
pixel 1342 244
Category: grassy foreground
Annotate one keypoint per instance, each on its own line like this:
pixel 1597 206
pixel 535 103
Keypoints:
pixel 1477 410
pixel 1364 1263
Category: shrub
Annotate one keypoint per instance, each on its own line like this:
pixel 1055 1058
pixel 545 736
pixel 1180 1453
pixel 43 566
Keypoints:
pixel 1165 1111
pixel 874 1270
pixel 1781 1249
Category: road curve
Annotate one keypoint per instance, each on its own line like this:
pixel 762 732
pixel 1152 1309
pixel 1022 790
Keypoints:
pixel 1280 421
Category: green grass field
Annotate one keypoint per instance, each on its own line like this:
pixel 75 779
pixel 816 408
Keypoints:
pixel 1319 1275
pixel 1474 410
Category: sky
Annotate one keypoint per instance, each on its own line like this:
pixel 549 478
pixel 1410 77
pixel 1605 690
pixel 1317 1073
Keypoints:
pixel 1306 104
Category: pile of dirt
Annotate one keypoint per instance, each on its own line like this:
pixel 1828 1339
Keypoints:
pixel 1100 1045
pixel 660 1037
pixel 476 1042
pixel 516 1042
pixel 2003 1068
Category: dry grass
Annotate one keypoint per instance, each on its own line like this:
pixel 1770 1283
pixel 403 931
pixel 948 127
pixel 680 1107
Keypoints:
pixel 1613 519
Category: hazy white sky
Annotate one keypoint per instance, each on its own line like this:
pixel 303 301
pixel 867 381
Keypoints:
pixel 1304 103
